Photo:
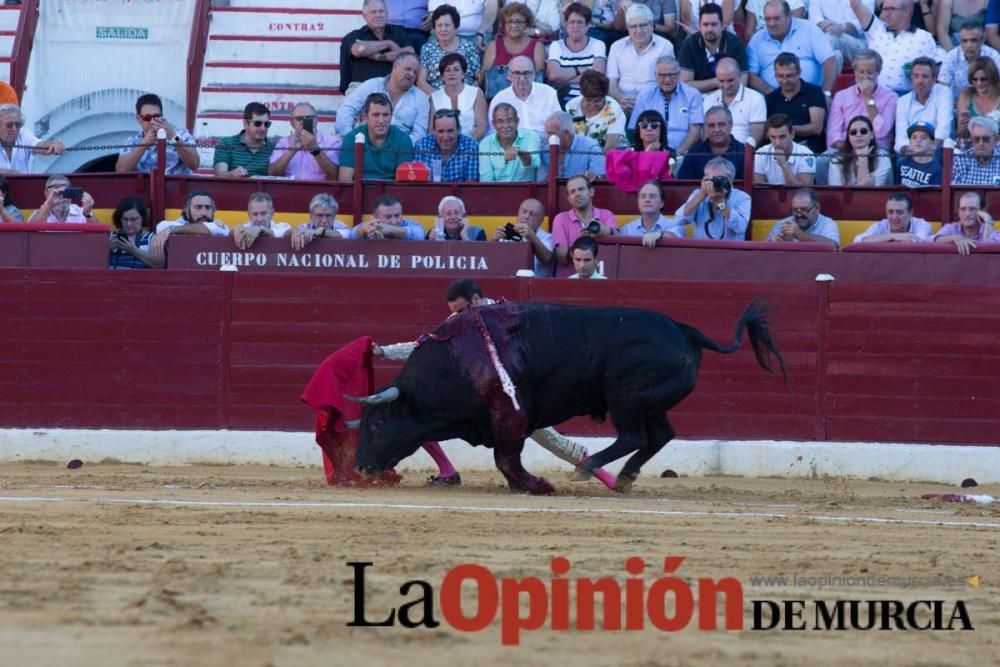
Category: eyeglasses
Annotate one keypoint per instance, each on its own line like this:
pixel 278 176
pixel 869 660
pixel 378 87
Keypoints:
pixel 803 211
pixel 522 74
pixel 11 124
pixel 667 75
pixel 303 118
pixel 891 9
pixel 979 79
pixel 859 131
pixel 265 123
pixel 515 22
pixel 146 117
pixel 640 26
pixel 648 124
pixel 982 139
pixel 131 218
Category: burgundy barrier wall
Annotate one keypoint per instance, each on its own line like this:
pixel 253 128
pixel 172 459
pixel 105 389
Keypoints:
pixel 180 349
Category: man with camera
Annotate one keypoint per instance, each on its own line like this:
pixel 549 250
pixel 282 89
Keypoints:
pixel 583 219
pixel 715 209
pixel 306 154
pixel 529 228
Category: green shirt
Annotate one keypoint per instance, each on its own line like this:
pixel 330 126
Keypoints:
pixel 234 152
pixel 493 168
pixel 381 162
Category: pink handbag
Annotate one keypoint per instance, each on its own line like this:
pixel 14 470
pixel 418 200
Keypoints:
pixel 629 170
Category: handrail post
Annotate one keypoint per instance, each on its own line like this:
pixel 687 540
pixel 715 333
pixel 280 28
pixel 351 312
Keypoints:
pixel 24 37
pixel 947 169
pixel 357 190
pixel 552 188
pixel 158 179
pixel 196 59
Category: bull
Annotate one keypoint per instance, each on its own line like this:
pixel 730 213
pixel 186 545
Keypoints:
pixel 493 375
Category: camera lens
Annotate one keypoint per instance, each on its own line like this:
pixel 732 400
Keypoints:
pixel 594 227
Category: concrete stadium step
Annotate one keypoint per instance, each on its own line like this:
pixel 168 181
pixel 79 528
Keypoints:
pixel 224 74
pixel 226 123
pixel 283 22
pixel 7 43
pixel 253 49
pixel 10 14
pixel 235 98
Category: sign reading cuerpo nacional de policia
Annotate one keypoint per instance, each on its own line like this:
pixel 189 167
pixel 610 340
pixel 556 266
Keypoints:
pixel 351 256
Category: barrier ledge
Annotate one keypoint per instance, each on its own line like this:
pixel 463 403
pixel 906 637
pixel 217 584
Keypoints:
pixel 749 458
pixel 710 244
pixel 54 245
pixel 918 248
pixel 352 257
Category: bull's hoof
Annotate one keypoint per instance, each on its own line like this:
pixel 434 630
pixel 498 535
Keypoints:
pixel 451 480
pixel 580 475
pixel 541 487
pixel 623 484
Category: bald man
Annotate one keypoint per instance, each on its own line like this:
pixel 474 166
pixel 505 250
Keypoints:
pixel 534 102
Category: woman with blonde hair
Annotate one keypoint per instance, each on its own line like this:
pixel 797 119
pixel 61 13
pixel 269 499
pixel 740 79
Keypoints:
pixel 980 98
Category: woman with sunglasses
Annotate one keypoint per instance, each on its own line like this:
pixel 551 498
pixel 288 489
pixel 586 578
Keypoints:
pixel 980 98
pixel 516 20
pixel 249 152
pixel 445 21
pixel 629 171
pixel 9 212
pixel 860 161
pixel 457 95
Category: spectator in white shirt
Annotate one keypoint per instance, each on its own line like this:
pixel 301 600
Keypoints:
pixel 782 161
pixel 747 105
pixel 929 102
pixel 534 102
pixel 632 59
pixel 260 209
pixel 841 25
pixel 895 39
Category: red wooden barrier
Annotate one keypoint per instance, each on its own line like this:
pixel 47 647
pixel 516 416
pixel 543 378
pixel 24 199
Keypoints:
pixel 180 349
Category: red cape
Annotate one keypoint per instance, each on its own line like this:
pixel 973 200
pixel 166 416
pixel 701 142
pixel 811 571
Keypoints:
pixel 346 371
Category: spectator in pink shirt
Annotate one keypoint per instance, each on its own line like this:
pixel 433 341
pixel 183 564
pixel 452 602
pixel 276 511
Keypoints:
pixel 865 98
pixel 306 154
pixel 974 225
pixel 583 219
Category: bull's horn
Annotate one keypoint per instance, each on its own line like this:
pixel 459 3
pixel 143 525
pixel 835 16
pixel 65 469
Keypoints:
pixel 352 423
pixel 385 396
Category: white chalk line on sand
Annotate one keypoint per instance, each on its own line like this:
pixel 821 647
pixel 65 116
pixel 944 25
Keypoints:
pixel 304 504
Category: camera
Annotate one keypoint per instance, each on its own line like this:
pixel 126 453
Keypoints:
pixel 510 232
pixel 722 184
pixel 594 228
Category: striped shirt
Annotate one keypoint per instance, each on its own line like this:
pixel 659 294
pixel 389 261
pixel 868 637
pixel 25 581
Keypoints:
pixel 119 259
pixel 235 153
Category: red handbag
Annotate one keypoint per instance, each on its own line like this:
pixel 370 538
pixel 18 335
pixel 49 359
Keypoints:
pixel 413 171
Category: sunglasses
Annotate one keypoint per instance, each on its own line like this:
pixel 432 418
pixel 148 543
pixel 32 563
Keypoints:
pixel 146 117
pixel 859 132
pixel 258 123
pixel 648 124
pixel 12 124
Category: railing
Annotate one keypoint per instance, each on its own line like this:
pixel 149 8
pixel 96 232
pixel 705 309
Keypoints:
pixel 25 37
pixel 196 56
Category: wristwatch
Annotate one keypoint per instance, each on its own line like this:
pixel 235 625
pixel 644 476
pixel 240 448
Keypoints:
pixel 176 140
pixel 721 206
pixel 870 103
pixel 314 152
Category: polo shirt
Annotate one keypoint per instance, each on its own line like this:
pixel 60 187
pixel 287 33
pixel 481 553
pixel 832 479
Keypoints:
pixel 823 226
pixel 494 169
pixel 234 152
pixel 686 108
pixel 694 57
pixel 542 102
pixel 748 107
pixel 566 228
pixel 694 162
pixel 362 69
pixel 804 39
pixel 797 108
pixel 801 161
pixel 381 162
pixel 635 71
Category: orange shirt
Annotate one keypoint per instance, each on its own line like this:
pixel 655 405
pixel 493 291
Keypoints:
pixel 7 93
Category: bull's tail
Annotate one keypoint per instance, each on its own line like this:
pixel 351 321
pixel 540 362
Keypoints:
pixel 754 320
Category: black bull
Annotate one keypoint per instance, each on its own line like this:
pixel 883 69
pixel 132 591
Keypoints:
pixel 562 362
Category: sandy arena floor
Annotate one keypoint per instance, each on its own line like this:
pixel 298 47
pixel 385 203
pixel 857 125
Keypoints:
pixel 92 573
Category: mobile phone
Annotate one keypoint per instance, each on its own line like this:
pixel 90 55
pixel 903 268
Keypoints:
pixel 309 125
pixel 73 193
